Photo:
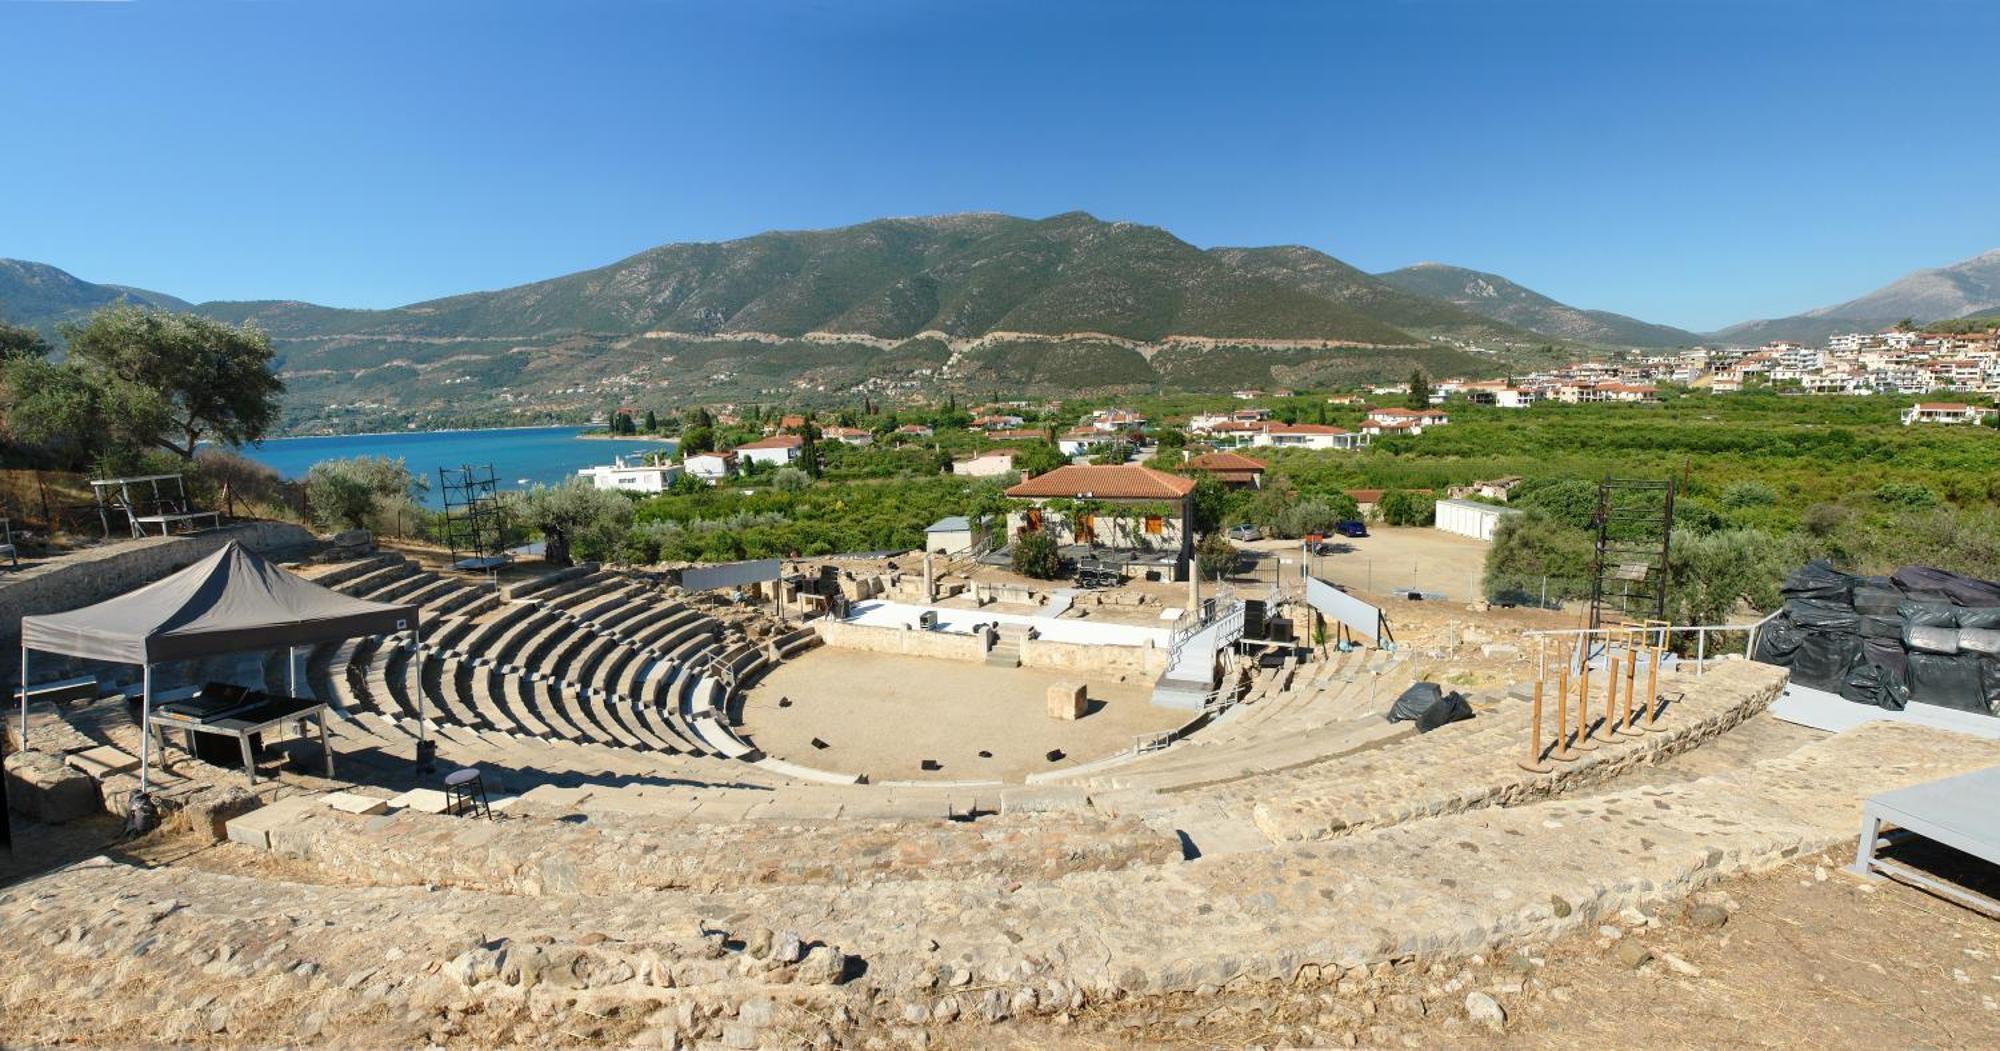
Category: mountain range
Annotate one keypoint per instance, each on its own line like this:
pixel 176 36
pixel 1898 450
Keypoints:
pixel 980 302
pixel 1493 296
pixel 1968 288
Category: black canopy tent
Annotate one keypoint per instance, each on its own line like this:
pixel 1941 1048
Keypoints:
pixel 230 602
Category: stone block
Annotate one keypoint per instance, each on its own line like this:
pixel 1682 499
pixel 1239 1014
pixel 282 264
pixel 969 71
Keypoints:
pixel 350 803
pixel 102 761
pixel 207 813
pixel 254 829
pixel 41 787
pixel 352 542
pixel 1068 701
pixel 423 800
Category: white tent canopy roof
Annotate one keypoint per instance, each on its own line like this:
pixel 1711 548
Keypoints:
pixel 231 601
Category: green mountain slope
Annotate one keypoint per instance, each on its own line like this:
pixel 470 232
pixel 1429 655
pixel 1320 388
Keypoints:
pixel 41 296
pixel 964 275
pixel 1324 276
pixel 1495 297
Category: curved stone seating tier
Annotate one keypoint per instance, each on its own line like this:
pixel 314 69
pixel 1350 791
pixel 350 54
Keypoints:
pixel 337 575
pixel 386 576
pixel 661 621
pixel 482 642
pixel 393 589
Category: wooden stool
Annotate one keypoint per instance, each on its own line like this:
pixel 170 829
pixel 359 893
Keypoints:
pixel 465 794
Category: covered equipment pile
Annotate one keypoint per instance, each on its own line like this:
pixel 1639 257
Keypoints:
pixel 1921 635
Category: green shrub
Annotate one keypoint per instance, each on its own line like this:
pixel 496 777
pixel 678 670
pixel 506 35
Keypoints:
pixel 1035 555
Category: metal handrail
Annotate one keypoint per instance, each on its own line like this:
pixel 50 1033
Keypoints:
pixel 1700 631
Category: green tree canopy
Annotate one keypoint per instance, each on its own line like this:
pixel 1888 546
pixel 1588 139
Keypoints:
pixel 1535 554
pixel 19 342
pixel 1420 390
pixel 1035 555
pixel 175 379
pixel 1215 556
pixel 575 519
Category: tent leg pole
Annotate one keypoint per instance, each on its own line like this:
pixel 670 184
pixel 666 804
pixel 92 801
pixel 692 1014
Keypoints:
pixel 145 728
pixel 292 671
pixel 24 698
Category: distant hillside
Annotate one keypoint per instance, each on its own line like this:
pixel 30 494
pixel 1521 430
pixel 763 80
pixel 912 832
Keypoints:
pixel 1327 277
pixel 980 302
pixel 1963 289
pixel 960 275
pixel 1495 297
pixel 40 296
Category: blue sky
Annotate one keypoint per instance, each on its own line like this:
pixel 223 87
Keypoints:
pixel 1696 162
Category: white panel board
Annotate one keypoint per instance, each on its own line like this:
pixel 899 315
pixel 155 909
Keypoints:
pixel 729 574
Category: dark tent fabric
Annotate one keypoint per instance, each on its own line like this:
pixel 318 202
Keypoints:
pixel 1819 580
pixel 229 602
pixel 1938 585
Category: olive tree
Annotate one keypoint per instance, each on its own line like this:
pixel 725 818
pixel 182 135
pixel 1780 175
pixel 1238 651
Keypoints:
pixel 173 380
pixel 576 519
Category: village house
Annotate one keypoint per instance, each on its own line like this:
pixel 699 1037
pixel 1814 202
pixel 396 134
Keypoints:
pixel 854 436
pixel 1945 412
pixel 1079 440
pixel 710 467
pixel 1306 436
pixel 635 477
pixel 1140 508
pixel 1231 469
pixel 777 450
pixel 914 430
pixel 988 464
pixel 996 422
pixel 1412 420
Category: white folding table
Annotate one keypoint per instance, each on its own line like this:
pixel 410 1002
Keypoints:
pixel 1960 812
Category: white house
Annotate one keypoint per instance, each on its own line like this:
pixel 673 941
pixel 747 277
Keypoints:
pixel 710 467
pixel 1944 412
pixel 988 464
pixel 854 436
pixel 1306 436
pixel 949 536
pixel 778 449
pixel 1078 440
pixel 1469 518
pixel 1415 420
pixel 637 478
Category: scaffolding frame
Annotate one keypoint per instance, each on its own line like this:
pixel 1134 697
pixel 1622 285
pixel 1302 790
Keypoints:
pixel 1635 524
pixel 474 522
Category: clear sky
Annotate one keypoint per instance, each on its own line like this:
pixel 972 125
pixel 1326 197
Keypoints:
pixel 1693 162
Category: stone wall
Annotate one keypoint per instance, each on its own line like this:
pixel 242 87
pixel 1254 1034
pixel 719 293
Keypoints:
pixel 98 573
pixel 541 858
pixel 1148 661
pixel 907 641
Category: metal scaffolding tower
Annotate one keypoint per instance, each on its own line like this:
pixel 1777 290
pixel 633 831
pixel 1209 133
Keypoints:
pixel 474 521
pixel 1635 519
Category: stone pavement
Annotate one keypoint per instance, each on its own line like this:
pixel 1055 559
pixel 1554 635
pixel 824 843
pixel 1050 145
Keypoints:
pixel 175 953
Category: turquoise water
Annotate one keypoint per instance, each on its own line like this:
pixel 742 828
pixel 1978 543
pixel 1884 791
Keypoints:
pixel 538 455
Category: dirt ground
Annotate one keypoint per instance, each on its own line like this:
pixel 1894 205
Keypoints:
pixel 1388 559
pixel 883 715
pixel 1810 957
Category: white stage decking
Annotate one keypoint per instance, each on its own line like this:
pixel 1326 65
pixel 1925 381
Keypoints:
pixel 1833 713
pixel 884 614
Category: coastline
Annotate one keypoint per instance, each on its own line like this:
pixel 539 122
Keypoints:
pixel 430 430
pixel 607 437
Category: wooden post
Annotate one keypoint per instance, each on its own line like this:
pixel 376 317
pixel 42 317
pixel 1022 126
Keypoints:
pixel 1659 649
pixel 1534 764
pixel 1632 648
pixel 1583 741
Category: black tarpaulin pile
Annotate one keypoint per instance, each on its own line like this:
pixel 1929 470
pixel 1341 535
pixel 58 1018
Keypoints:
pixel 1920 634
pixel 1427 705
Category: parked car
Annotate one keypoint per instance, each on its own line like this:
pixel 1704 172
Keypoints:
pixel 1353 527
pixel 1245 531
